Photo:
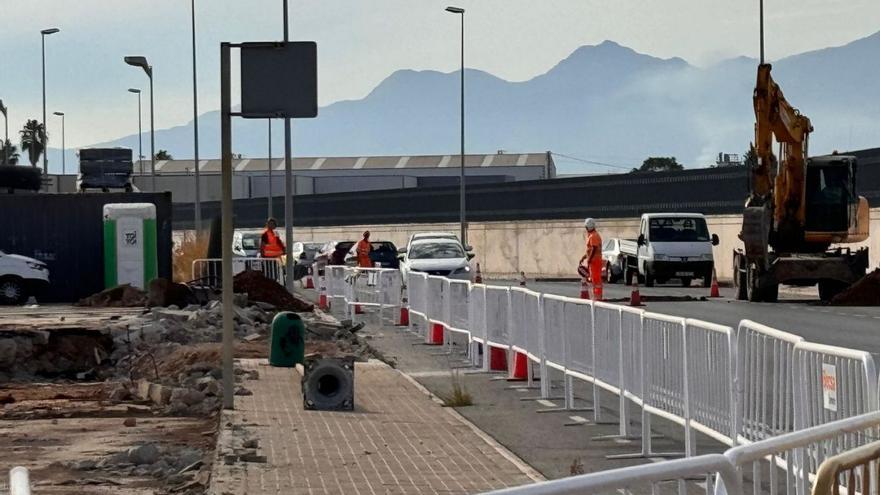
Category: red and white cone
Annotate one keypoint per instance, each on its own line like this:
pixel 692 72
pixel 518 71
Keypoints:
pixel 310 283
pixel 322 296
pixel 435 335
pixel 478 278
pixel 714 291
pixel 403 320
pixel 497 359
pixel 519 371
pixel 635 298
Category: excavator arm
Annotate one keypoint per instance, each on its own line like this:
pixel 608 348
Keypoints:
pixel 784 194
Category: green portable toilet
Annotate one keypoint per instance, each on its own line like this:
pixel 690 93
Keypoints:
pixel 288 343
pixel 130 250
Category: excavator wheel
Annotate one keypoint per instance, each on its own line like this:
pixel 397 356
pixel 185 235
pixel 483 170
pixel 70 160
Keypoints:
pixel 758 289
pixel 830 288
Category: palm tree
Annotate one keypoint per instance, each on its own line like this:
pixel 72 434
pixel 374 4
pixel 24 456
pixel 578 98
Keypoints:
pixel 34 140
pixel 163 155
pixel 13 153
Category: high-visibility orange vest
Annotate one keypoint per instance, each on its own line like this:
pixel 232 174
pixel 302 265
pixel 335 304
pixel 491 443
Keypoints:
pixel 363 254
pixel 594 248
pixel 272 247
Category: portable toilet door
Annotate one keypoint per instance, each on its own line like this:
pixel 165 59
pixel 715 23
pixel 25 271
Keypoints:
pixel 130 250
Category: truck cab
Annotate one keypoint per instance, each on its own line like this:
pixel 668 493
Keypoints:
pixel 675 246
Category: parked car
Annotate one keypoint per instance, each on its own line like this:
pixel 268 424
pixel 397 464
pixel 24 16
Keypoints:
pixel 383 252
pixel 443 257
pixel 333 253
pixel 21 277
pixel 616 252
pixel 246 244
pixel 429 235
pixel 304 254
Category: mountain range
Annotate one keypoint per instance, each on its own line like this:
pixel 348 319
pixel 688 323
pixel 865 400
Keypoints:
pixel 606 106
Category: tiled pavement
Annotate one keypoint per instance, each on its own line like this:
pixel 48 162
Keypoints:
pixel 397 441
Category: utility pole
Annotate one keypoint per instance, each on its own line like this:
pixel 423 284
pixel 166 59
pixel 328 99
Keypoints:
pixel 198 215
pixel 288 182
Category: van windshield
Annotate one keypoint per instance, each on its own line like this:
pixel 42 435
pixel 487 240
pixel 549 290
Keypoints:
pixel 678 230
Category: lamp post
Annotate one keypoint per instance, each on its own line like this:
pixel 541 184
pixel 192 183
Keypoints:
pixel 270 170
pixel 143 64
pixel 198 212
pixel 43 35
pixel 461 202
pixel 140 132
pixel 61 114
pixel 6 141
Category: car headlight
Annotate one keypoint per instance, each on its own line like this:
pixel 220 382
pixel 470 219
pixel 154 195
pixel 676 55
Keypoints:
pixel 660 257
pixel 464 269
pixel 707 257
pixel 36 266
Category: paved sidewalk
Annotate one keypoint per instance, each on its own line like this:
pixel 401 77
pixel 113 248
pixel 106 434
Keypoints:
pixel 397 441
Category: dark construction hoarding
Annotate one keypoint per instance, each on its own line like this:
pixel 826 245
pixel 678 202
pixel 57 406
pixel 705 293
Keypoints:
pixel 66 232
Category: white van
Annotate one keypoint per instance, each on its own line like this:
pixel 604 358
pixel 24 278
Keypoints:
pixel 675 246
pixel 20 278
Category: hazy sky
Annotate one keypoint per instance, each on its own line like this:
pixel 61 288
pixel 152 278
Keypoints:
pixel 360 42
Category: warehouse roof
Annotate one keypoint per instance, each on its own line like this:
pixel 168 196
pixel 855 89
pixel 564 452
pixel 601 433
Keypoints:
pixel 364 162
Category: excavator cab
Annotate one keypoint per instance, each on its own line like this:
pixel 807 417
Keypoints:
pixel 831 199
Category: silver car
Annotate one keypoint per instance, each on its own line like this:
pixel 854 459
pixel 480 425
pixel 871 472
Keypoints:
pixel 442 257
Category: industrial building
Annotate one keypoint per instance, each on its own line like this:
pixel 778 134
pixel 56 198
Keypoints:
pixel 342 174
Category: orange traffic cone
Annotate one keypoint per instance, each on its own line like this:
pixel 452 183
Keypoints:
pixel 714 292
pixel 435 336
pixel 520 368
pixel 310 283
pixel 404 314
pixel 497 359
pixel 478 278
pixel 635 298
pixel 322 297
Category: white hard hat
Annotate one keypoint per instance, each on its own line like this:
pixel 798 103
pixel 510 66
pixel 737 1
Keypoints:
pixel 590 223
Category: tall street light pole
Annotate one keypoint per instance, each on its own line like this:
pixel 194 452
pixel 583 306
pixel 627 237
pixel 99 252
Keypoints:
pixel 63 148
pixel 143 64
pixel 288 181
pixel 3 110
pixel 270 170
pixel 198 216
pixel 43 35
pixel 140 132
pixel 461 202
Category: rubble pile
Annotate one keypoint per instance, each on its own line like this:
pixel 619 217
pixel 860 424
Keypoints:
pixel 260 288
pixel 174 465
pixel 121 296
pixel 865 292
pixel 53 354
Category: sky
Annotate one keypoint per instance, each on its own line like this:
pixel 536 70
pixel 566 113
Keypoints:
pixel 361 42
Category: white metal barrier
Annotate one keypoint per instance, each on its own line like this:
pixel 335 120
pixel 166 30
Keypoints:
pixel 417 296
pixel 209 271
pixel 497 330
pixel 477 323
pixel 764 381
pixel 372 289
pixel 709 351
pixel 19 481
pixel 335 286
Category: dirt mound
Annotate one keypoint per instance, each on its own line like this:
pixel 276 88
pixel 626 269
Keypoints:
pixel 165 293
pixel 259 288
pixel 865 292
pixel 121 296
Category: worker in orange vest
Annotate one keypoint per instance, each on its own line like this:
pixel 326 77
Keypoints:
pixel 363 251
pixel 593 257
pixel 271 245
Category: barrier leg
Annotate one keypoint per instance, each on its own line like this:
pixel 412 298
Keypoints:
pixel 646 451
pixel 624 423
pixel 546 383
pixel 568 399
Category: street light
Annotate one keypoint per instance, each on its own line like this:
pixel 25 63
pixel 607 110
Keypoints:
pixel 140 132
pixel 61 114
pixel 143 64
pixel 6 141
pixel 43 34
pixel 198 217
pixel 460 11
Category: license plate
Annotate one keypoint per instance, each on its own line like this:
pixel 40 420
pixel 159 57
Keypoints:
pixel 684 274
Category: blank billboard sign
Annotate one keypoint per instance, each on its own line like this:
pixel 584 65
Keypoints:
pixel 279 80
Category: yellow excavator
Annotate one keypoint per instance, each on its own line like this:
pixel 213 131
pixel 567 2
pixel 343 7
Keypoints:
pixel 798 208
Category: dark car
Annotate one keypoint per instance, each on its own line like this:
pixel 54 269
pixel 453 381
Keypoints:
pixel 336 256
pixel 383 252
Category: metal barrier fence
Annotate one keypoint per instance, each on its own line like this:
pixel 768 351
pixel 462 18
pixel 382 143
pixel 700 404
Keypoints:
pixel 208 271
pixel 856 470
pixel 748 386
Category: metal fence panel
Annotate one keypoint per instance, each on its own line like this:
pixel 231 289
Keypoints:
pixel 417 288
pixel 456 306
pixel 496 316
pixel 578 337
pixel 534 323
pixel 631 352
pixel 434 298
pixel 209 271
pixel 606 345
pixel 554 330
pixel 710 364
pixel 517 319
pixel 765 386
pixel 477 313
pixel 663 355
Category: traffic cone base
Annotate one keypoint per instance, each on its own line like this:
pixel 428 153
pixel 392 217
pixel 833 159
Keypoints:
pixel 404 317
pixel 520 368
pixel 436 335
pixel 635 298
pixel 358 310
pixel 497 359
pixel 478 278
pixel 585 290
pixel 322 301
pixel 310 284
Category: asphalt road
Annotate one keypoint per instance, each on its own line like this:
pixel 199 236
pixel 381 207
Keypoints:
pixel 797 312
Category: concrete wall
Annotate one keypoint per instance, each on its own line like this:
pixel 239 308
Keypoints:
pixel 550 248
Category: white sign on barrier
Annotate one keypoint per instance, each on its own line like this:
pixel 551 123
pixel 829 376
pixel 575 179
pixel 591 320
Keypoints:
pixel 829 387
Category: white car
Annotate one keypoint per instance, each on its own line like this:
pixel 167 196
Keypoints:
pixel 675 245
pixel 430 235
pixel 246 244
pixel 20 278
pixel 442 257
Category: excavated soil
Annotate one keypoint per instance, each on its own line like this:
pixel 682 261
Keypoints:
pixel 865 292
pixel 260 288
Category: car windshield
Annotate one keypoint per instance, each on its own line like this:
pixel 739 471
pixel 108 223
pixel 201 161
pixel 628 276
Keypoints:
pixel 678 230
pixel 250 241
pixel 436 251
pixel 344 246
pixel 311 249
